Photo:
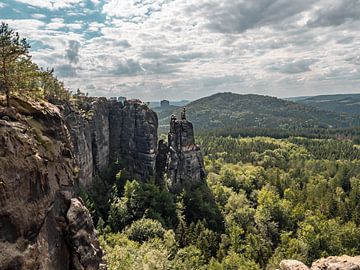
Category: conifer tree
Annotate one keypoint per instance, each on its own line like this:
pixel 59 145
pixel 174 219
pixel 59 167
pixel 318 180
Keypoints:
pixel 12 48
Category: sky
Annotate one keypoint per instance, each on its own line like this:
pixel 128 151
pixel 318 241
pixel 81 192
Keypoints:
pixel 186 49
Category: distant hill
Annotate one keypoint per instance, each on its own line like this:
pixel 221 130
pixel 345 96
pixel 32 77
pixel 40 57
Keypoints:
pixel 343 103
pixel 229 110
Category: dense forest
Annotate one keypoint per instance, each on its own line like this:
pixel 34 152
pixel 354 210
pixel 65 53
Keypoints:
pixel 264 200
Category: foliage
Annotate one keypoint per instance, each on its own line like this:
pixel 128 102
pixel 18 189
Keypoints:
pixel 13 56
pixel 144 229
pixel 265 200
pixel 19 75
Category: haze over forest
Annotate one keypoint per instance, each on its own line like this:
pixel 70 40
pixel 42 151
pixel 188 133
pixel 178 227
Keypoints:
pixel 187 49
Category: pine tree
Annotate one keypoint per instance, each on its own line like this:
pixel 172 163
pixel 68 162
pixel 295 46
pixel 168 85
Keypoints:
pixel 12 48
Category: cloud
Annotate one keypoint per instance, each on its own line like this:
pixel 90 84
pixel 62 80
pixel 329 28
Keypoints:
pixel 38 16
pixel 66 70
pixel 72 52
pixel 239 16
pixel 335 13
pixel 55 24
pixel 50 4
pixel 127 67
pixel 292 66
pixel 132 10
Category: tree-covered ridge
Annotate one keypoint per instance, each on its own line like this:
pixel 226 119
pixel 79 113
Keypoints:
pixel 342 103
pixel 265 200
pixel 229 110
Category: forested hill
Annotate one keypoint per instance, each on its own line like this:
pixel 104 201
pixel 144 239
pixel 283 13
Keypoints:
pixel 344 103
pixel 229 110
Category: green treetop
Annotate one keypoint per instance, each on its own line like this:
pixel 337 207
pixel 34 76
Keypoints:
pixel 12 49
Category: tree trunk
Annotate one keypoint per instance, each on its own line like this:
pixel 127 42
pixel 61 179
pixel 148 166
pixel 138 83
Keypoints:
pixel 8 104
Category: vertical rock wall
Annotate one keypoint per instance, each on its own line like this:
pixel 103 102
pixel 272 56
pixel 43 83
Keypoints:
pixel 111 131
pixel 100 134
pixel 184 161
pixel 42 224
pixel 138 140
pixel 81 138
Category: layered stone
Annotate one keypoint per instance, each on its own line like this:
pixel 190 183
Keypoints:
pixel 184 161
pixel 37 177
pixel 111 131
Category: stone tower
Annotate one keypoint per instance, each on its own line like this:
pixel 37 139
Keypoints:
pixel 184 161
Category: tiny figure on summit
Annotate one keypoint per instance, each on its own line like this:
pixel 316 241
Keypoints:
pixel 183 114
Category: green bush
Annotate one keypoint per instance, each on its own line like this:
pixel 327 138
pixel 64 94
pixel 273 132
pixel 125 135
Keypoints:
pixel 144 229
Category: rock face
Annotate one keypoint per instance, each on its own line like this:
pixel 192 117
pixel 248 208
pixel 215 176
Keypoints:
pixel 184 161
pixel 110 131
pixel 330 263
pixel 81 138
pixel 337 263
pixel 81 230
pixel 138 139
pixel 293 265
pixel 42 224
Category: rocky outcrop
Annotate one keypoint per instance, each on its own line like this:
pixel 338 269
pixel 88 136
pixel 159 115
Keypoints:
pixel 138 140
pixel 330 263
pixel 109 131
pixel 292 265
pixel 81 230
pixel 81 138
pixel 42 224
pixel 337 263
pixel 100 134
pixel 184 161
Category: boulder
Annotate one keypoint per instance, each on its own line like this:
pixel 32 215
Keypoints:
pixel 337 263
pixel 292 265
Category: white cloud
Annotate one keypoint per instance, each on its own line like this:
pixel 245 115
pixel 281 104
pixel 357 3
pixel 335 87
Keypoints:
pixel 56 23
pixel 50 4
pixel 133 10
pixel 38 16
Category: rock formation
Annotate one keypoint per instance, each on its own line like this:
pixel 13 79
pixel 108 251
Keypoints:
pixel 330 263
pixel 184 161
pixel 42 223
pixel 138 139
pixel 110 131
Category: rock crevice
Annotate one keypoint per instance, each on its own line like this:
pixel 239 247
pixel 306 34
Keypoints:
pixel 111 131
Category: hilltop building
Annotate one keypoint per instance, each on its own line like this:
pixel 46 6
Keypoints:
pixel 164 104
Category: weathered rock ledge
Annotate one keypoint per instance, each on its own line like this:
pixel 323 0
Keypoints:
pixel 43 225
pixel 330 263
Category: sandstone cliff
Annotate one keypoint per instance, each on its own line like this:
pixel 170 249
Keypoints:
pixel 43 225
pixel 182 159
pixel 330 263
pixel 109 131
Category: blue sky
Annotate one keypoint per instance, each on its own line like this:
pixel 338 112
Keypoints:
pixel 186 49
